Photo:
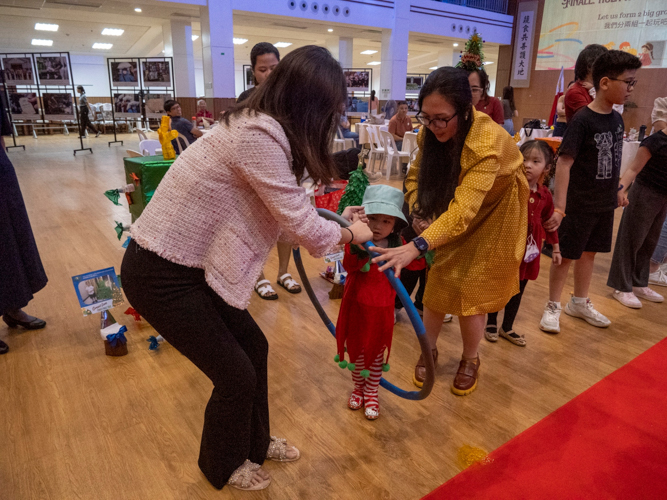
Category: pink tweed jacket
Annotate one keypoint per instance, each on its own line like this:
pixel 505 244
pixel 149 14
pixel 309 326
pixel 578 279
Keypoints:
pixel 225 202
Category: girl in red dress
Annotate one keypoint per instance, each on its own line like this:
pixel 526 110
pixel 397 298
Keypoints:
pixel 538 159
pixel 366 320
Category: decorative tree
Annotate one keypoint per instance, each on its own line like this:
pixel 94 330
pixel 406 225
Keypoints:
pixel 473 57
pixel 356 187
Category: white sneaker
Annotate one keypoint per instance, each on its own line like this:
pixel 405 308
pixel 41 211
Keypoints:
pixel 658 278
pixel 628 299
pixel 448 318
pixel 664 267
pixel 587 312
pixel 396 311
pixel 550 322
pixel 647 294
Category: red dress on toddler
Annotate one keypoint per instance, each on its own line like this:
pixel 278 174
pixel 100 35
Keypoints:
pixel 366 325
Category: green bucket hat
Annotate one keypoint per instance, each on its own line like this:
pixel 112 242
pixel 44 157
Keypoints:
pixel 385 200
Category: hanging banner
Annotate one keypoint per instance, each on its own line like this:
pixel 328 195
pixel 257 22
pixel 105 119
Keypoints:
pixel 635 26
pixel 523 44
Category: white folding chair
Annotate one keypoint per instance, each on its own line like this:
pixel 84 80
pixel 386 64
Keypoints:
pixel 180 138
pixel 392 151
pixel 132 153
pixel 377 148
pixel 142 135
pixel 149 146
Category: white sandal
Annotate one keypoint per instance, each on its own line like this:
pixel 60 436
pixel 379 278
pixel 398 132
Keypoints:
pixel 264 289
pixel 278 450
pixel 241 478
pixel 288 283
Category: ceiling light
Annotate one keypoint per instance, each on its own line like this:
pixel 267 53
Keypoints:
pixel 137 9
pixel 102 46
pixel 434 67
pixel 282 45
pixel 369 52
pixel 373 63
pixel 46 27
pixel 46 43
pixel 112 32
pixel 239 41
pixel 330 30
pixel 485 63
pixel 456 45
pixel 194 37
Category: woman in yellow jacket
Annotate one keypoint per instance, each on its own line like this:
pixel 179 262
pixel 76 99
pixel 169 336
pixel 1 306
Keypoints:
pixel 468 192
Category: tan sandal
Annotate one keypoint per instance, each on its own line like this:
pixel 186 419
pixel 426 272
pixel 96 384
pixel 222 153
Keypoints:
pixel 288 283
pixel 514 337
pixel 278 450
pixel 241 478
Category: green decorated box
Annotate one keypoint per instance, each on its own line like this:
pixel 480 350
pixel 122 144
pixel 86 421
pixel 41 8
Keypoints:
pixel 145 172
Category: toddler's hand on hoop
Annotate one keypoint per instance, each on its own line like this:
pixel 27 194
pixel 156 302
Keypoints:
pixel 398 257
pixel 354 214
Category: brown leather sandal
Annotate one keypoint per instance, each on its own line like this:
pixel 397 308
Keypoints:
pixel 420 370
pixel 466 377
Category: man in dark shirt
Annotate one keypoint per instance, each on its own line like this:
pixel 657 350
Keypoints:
pixel 182 125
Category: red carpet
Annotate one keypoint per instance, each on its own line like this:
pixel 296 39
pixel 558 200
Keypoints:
pixel 609 442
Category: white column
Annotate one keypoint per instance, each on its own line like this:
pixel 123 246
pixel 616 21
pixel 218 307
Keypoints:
pixel 333 46
pixel 394 55
pixel 345 52
pixel 217 31
pixel 178 44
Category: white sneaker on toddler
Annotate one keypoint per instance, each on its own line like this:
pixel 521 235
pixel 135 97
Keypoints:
pixel 550 322
pixel 587 312
pixel 628 299
pixel 647 294
pixel 658 278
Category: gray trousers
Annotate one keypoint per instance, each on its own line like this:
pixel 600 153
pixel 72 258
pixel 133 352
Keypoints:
pixel 637 238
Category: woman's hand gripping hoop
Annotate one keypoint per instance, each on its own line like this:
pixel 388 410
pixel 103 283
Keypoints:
pixel 405 300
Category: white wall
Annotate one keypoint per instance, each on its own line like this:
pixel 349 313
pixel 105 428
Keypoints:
pixel 92 73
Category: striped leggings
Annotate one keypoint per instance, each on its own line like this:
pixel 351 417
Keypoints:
pixel 368 387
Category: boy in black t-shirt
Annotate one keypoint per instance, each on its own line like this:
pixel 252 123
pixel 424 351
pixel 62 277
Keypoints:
pixel 586 184
pixel 641 224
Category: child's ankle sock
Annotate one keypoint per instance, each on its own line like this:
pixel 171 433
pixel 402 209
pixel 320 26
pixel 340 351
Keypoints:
pixel 579 300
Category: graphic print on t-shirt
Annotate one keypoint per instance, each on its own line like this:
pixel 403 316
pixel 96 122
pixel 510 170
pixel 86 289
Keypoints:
pixel 604 143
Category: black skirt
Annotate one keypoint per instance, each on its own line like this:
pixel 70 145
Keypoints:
pixel 21 270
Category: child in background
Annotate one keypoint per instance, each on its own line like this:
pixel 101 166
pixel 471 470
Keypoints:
pixel 538 158
pixel 586 184
pixel 366 322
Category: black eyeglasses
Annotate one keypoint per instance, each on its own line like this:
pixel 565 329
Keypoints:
pixel 629 83
pixel 436 122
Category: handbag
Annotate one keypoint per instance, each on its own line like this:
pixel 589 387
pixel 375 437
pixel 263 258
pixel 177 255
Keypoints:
pixel 531 125
pixel 532 252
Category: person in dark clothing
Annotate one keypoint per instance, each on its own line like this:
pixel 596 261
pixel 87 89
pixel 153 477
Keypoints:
pixel 85 122
pixel 21 270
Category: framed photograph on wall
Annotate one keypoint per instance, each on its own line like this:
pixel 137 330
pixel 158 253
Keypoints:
pixel 127 105
pixel 18 71
pixel 155 105
pixel 156 73
pixel 24 106
pixel 414 84
pixel 356 106
pixel 357 80
pixel 53 70
pixel 58 106
pixel 124 74
pixel 248 77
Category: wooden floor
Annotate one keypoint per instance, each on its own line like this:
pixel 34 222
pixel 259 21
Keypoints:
pixel 75 424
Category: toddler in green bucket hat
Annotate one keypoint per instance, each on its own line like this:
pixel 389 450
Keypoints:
pixel 366 320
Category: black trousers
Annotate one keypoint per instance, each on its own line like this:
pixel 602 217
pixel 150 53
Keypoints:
pixel 223 342
pixel 410 280
pixel 637 237
pixel 511 309
pixel 85 121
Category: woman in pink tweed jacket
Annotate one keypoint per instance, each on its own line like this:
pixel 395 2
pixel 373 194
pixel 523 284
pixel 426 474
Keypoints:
pixel 201 243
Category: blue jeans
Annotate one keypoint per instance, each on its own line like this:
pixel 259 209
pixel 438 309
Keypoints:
pixel 660 252
pixel 348 134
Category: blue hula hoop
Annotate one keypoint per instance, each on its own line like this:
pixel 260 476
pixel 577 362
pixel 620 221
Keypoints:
pixel 405 300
